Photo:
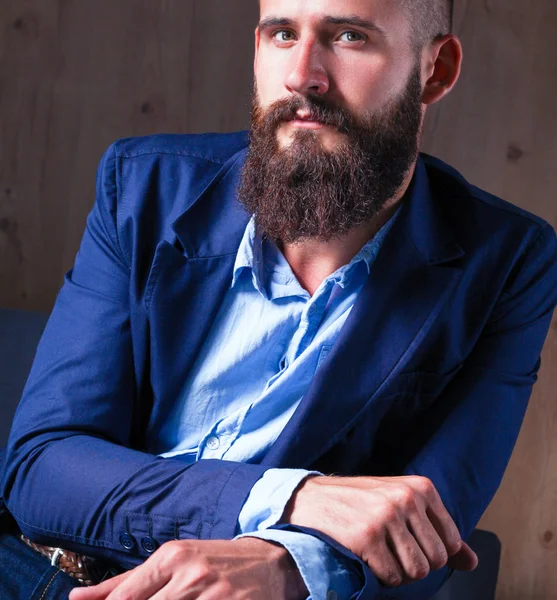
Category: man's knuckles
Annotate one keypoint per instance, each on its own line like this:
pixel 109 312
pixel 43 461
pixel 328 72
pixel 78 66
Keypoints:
pixel 200 571
pixel 405 499
pixel 417 570
pixel 370 533
pixel 384 566
pixel 172 553
pixel 423 486
pixel 453 544
pixel 391 579
pixel 439 559
pixel 176 554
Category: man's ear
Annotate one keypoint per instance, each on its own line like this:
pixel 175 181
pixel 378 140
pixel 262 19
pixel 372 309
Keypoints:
pixel 441 61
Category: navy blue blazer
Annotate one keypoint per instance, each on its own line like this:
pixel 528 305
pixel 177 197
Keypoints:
pixel 431 374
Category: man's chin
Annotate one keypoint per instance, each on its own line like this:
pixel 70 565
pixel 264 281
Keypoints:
pixel 315 139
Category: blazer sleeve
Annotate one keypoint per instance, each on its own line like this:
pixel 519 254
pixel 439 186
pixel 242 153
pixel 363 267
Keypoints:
pixel 464 441
pixel 71 477
pixel 466 438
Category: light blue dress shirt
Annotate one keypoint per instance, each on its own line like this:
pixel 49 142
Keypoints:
pixel 268 339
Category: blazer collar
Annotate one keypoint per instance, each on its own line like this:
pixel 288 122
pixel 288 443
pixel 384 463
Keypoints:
pixel 215 223
pixel 421 217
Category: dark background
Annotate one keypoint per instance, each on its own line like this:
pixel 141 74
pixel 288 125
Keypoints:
pixel 77 74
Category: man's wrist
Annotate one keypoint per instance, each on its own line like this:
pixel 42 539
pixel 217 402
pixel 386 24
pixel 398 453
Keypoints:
pixel 284 578
pixel 293 506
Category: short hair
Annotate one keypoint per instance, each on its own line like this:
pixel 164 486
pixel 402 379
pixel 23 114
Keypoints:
pixel 430 20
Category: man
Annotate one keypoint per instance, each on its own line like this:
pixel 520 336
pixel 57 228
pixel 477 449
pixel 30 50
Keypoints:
pixel 243 318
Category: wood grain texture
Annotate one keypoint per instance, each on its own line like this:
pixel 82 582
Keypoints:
pixel 77 74
pixel 499 128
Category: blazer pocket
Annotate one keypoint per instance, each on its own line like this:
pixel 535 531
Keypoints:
pixel 417 390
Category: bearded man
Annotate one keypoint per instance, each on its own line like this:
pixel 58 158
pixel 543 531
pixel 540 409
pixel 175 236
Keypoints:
pixel 285 365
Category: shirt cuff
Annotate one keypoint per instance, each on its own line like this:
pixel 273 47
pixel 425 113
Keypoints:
pixel 268 498
pixel 327 574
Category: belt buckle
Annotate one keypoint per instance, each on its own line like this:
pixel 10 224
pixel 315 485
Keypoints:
pixel 86 570
pixel 58 553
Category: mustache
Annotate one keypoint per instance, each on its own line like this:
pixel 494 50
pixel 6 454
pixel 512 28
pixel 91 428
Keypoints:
pixel 318 109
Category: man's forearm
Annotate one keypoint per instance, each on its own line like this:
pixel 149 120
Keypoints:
pixel 116 497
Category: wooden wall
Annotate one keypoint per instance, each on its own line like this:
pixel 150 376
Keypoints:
pixel 77 74
pixel 499 127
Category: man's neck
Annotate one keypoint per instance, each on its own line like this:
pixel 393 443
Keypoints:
pixel 312 261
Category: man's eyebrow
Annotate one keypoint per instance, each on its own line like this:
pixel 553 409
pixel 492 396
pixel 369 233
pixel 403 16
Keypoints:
pixel 274 22
pixel 353 20
pixel 356 21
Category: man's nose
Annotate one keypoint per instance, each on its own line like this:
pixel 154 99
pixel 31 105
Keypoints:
pixel 307 73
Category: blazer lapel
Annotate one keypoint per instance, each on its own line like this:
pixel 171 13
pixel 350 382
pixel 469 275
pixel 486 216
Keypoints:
pixel 188 280
pixel 408 284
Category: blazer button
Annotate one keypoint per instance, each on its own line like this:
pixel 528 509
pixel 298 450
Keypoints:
pixel 127 541
pixel 148 544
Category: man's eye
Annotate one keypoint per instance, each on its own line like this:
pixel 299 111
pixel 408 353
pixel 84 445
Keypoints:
pixel 283 36
pixel 352 36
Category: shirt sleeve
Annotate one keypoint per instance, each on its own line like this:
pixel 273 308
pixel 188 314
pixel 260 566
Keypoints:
pixel 268 498
pixel 327 574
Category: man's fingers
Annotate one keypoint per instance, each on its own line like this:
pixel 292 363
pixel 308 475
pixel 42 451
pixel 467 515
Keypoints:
pixel 206 590
pixel 428 539
pixel 445 526
pixel 143 583
pixel 100 591
pixel 224 590
pixel 464 560
pixel 384 565
pixel 408 552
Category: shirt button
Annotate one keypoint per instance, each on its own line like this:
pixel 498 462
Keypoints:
pixel 213 442
pixel 127 541
pixel 332 595
pixel 148 544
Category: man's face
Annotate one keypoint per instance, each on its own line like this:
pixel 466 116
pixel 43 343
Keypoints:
pixel 336 116
pixel 355 54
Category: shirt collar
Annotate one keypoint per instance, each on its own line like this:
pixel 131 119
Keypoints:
pixel 263 259
pixel 250 256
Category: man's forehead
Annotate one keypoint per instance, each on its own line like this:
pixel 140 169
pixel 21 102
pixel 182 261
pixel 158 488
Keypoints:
pixel 384 13
pixel 309 7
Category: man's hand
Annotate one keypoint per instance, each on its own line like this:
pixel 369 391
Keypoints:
pixel 208 570
pixel 397 525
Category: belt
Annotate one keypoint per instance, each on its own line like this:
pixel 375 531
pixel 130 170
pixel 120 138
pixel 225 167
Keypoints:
pixel 87 570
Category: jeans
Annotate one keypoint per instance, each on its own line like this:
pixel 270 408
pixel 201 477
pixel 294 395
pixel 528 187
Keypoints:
pixel 27 575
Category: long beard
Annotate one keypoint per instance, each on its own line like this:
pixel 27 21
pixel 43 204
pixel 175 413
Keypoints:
pixel 305 191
